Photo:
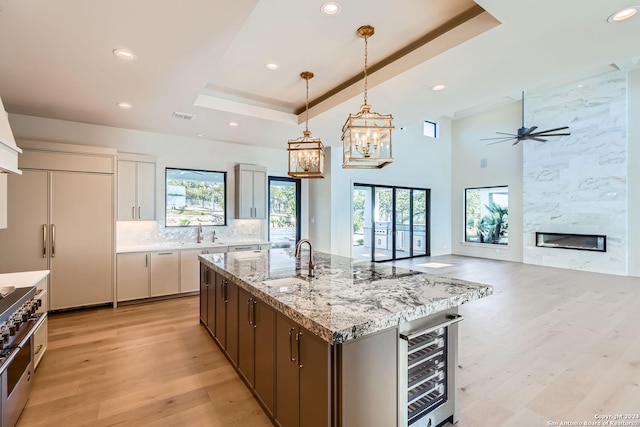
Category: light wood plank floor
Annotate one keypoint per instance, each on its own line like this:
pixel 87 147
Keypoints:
pixel 550 345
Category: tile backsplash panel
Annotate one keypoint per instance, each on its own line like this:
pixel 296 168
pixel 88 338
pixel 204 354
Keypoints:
pixel 134 233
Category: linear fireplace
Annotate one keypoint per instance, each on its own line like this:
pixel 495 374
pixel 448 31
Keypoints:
pixel 583 242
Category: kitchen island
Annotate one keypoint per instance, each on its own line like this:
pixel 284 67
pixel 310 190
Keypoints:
pixel 358 344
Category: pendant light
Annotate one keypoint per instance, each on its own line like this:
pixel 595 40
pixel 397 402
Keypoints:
pixel 306 154
pixel 366 136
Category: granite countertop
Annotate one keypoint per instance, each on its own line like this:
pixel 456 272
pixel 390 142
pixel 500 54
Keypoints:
pixel 176 246
pixel 346 299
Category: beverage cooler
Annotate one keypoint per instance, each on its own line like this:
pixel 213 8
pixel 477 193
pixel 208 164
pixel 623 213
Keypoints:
pixel 427 378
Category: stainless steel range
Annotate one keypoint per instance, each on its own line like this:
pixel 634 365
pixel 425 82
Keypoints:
pixel 18 321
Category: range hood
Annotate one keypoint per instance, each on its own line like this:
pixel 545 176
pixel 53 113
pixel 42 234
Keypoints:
pixel 8 149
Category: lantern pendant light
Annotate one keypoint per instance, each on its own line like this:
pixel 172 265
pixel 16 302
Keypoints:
pixel 306 154
pixel 366 136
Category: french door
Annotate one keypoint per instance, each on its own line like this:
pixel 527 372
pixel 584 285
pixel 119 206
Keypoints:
pixel 284 212
pixel 389 222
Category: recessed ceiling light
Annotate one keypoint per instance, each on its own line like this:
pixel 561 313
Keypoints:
pixel 438 87
pixel 124 105
pixel 233 124
pixel 272 66
pixel 125 54
pixel 330 8
pixel 623 14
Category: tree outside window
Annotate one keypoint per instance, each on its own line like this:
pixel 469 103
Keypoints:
pixel 487 215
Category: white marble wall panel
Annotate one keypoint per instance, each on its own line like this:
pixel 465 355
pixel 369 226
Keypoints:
pixel 578 184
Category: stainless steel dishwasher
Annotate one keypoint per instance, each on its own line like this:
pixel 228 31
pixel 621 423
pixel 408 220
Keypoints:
pixel 427 361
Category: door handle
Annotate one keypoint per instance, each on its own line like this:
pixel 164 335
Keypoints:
pixel 44 240
pixel 255 302
pixel 299 339
pixel 291 358
pixel 53 240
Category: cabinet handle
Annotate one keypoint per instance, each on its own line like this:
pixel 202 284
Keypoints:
pixel 146 260
pixel 255 324
pixel 53 240
pixel 133 212
pixel 44 240
pixel 291 358
pixel 165 253
pixel 226 291
pixel 139 213
pixel 249 310
pixel 38 349
pixel 299 339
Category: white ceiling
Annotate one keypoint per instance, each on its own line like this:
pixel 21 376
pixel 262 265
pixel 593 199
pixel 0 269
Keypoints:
pixel 207 57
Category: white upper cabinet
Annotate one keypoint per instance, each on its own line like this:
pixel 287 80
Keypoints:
pixel 251 192
pixel 136 189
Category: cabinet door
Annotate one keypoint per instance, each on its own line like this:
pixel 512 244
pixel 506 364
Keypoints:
pixel 40 342
pixel 315 363
pixel 246 345
pixel 189 268
pixel 146 191
pixel 264 352
pixel 221 310
pixel 259 195
pixel 24 244
pixel 82 252
pixel 245 195
pixel 232 322
pixel 165 276
pixel 127 206
pixel 3 200
pixel 211 301
pixel 286 412
pixel 204 287
pixel 132 276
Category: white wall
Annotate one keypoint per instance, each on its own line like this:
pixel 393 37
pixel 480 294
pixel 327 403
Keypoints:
pixel 418 162
pixel 170 150
pixel 503 167
pixel 633 188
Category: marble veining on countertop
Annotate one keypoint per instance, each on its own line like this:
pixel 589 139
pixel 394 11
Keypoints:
pixel 346 299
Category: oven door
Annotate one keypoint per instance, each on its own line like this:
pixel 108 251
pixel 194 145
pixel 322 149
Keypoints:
pixel 16 384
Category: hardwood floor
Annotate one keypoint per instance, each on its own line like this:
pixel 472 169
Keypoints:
pixel 139 365
pixel 550 345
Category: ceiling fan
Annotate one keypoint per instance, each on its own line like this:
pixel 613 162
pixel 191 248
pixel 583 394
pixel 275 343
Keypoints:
pixel 525 133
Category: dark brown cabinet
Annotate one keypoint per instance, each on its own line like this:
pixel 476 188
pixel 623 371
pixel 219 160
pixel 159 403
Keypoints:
pixel 256 337
pixel 204 287
pixel 303 364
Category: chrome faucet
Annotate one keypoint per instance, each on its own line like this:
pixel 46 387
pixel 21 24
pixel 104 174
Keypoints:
pixel 297 255
pixel 199 233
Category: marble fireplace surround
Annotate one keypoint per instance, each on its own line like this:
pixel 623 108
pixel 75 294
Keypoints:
pixel 579 184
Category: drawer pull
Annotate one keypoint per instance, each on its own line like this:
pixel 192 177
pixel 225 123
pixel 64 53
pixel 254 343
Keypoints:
pixel 38 349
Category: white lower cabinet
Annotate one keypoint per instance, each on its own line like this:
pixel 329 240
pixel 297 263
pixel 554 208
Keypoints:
pixel 133 276
pixel 165 273
pixel 190 267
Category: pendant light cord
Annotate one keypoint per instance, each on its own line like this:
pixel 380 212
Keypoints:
pixel 306 126
pixel 365 67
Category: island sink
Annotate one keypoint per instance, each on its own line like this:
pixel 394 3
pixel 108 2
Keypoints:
pixel 359 345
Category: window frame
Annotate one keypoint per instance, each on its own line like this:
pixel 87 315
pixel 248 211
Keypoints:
pixel 465 217
pixel 225 189
pixel 298 183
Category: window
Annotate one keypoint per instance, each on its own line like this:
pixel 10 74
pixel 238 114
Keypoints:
pixel 430 129
pixel 487 215
pixel 195 197
pixel 284 212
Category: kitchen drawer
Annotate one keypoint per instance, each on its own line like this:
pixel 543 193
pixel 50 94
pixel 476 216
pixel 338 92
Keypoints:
pixel 40 342
pixel 239 248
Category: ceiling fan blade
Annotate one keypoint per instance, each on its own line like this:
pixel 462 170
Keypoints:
pixel 553 130
pixel 550 134
pixel 530 130
pixel 498 142
pixel 510 134
pixel 537 139
pixel 499 137
pixel 516 142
